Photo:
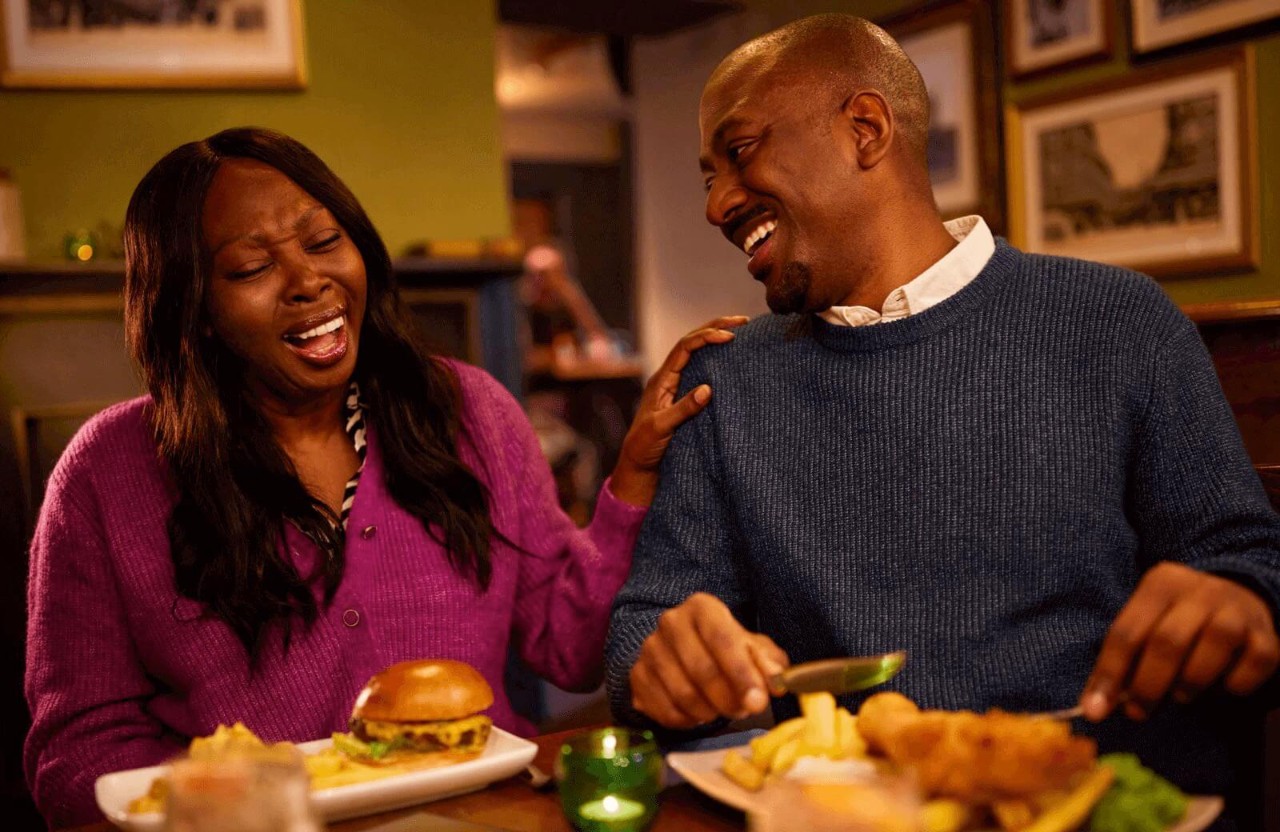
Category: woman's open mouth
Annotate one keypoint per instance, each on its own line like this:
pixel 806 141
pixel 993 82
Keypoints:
pixel 323 345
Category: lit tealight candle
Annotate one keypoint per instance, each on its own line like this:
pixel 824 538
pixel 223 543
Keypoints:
pixel 611 808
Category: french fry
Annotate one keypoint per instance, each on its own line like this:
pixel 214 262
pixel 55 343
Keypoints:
pixel 1012 815
pixel 742 771
pixel 1075 807
pixel 849 742
pixel 791 750
pixel 819 711
pixel 764 747
pixel 944 815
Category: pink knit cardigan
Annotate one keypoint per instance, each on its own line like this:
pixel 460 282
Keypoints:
pixel 121 671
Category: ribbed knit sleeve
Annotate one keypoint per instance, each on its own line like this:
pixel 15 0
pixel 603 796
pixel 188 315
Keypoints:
pixel 84 684
pixel 1195 496
pixel 687 545
pixel 568 576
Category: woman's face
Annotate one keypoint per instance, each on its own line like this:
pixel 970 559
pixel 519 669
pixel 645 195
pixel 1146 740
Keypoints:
pixel 287 291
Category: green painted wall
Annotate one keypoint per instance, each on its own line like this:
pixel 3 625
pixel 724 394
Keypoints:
pixel 400 104
pixel 1261 283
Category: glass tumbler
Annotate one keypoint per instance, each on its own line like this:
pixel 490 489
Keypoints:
pixel 609 779
pixel 267 791
pixel 837 804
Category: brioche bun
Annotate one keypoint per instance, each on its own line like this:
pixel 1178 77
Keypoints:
pixel 427 690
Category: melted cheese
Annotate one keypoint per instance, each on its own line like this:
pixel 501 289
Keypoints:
pixel 448 733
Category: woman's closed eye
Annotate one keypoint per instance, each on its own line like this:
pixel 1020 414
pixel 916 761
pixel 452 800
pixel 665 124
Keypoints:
pixel 325 242
pixel 248 271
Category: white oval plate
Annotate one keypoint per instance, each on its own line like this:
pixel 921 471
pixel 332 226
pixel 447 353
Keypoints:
pixel 505 755
pixel 702 770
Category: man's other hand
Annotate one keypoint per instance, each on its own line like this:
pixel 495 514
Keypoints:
pixel 1181 632
pixel 700 663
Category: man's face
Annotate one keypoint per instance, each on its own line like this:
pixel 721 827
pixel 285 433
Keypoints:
pixel 781 186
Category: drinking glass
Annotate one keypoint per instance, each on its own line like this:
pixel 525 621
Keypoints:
pixel 832 802
pixel 609 779
pixel 262 791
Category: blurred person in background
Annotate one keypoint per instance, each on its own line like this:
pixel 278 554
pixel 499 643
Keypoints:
pixel 565 337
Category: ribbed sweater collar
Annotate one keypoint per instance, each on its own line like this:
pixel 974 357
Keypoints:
pixel 983 289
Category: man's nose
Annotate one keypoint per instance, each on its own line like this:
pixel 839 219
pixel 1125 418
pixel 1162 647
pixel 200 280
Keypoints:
pixel 725 199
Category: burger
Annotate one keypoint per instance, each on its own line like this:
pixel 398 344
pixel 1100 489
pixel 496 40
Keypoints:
pixel 414 707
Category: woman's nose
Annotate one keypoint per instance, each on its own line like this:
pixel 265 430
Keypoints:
pixel 305 282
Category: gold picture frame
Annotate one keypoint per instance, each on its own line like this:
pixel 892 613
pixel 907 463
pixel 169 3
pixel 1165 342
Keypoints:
pixel 1042 35
pixel 152 44
pixel 1155 171
pixel 1160 23
pixel 953 45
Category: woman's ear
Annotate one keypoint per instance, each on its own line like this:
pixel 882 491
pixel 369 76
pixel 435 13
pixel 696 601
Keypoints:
pixel 870 122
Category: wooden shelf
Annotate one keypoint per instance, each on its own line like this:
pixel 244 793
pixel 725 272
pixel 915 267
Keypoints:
pixel 1231 311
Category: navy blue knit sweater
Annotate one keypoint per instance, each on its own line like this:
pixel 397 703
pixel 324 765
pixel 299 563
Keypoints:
pixel 981 484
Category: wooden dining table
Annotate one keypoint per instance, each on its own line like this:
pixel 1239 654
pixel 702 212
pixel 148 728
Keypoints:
pixel 514 805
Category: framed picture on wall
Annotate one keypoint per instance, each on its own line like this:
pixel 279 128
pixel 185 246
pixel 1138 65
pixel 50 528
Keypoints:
pixel 1155 171
pixel 229 44
pixel 1044 34
pixel 1161 23
pixel 953 44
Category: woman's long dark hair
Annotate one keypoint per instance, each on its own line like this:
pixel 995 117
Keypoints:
pixel 236 488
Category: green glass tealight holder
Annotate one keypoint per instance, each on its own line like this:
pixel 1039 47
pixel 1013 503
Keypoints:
pixel 609 779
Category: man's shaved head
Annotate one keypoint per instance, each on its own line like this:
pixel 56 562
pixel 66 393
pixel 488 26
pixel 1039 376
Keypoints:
pixel 835 55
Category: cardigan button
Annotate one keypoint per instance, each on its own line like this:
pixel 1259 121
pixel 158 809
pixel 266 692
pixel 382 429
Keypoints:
pixel 368 532
pixel 351 618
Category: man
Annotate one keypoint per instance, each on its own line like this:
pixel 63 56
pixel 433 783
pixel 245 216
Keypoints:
pixel 1021 469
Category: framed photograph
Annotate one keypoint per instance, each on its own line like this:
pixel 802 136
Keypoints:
pixel 953 44
pixel 152 43
pixel 1044 34
pixel 1161 23
pixel 1156 171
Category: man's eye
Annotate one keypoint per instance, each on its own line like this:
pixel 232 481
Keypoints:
pixel 736 152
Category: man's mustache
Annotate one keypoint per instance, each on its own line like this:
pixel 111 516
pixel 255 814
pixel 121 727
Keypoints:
pixel 730 228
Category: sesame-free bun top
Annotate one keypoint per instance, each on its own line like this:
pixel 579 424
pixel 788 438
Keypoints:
pixel 428 690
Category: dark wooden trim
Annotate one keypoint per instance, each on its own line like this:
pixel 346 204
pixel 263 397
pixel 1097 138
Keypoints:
pixel 1270 475
pixel 1232 311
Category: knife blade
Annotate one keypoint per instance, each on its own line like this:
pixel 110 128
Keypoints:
pixel 839 675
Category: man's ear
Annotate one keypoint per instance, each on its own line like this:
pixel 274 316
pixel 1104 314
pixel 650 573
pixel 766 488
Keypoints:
pixel 870 122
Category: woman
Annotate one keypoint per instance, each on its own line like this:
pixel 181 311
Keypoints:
pixel 303 498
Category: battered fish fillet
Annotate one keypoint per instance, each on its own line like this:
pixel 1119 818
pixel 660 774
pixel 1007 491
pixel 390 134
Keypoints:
pixel 977 758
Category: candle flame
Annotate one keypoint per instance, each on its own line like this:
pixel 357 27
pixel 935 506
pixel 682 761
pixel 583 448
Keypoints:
pixel 611 803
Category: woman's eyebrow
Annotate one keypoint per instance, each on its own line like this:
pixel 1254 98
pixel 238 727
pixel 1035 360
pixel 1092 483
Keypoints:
pixel 259 237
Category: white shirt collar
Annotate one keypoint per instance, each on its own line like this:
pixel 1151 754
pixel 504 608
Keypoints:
pixel 953 272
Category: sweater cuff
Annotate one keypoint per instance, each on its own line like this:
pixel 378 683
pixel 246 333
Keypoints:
pixel 614 529
pixel 622 516
pixel 1254 577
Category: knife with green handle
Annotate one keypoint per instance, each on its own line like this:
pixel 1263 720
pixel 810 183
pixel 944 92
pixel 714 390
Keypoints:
pixel 839 675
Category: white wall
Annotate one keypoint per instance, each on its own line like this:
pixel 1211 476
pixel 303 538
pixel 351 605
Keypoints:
pixel 686 272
